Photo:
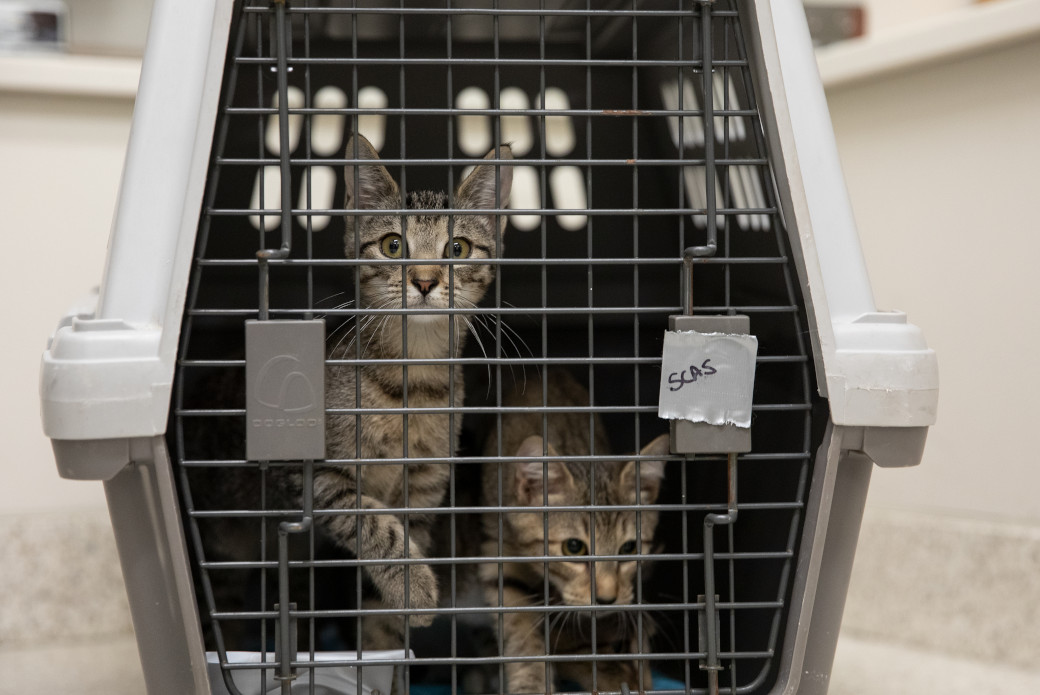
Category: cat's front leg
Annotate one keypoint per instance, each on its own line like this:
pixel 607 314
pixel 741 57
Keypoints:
pixel 611 674
pixel 382 536
pixel 522 635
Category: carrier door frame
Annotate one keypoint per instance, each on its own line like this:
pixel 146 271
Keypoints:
pixel 872 406
pixel 873 366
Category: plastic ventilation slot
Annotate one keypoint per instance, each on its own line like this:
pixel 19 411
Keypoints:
pixel 328 133
pixel 568 192
pixel 724 97
pixel 271 135
pixel 559 130
pixel 525 196
pixel 327 128
pixel 372 125
pixel 747 193
pixel 696 189
pixel 269 180
pixel 516 129
pixel 321 182
pixel 474 131
pixel 692 127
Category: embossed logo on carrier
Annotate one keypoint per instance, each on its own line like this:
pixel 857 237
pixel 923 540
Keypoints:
pixel 285 390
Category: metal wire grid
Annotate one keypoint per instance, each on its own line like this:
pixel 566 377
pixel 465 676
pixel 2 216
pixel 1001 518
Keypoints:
pixel 554 291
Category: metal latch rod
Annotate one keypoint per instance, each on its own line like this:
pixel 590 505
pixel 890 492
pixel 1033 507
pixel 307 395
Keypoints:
pixel 286 622
pixel 711 663
pixel 707 70
pixel 281 49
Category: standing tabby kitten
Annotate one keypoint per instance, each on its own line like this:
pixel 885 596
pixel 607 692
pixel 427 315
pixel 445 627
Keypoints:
pixel 570 534
pixel 387 384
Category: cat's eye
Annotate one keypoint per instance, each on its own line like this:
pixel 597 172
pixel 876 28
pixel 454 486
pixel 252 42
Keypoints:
pixel 457 248
pixel 392 245
pixel 575 546
pixel 628 548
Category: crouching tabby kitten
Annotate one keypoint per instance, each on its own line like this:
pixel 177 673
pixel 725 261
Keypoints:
pixel 575 581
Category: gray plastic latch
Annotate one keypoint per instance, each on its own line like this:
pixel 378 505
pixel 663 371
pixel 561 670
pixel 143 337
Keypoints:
pixel 285 390
pixel 701 437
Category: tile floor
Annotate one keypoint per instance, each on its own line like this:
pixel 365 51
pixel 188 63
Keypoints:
pixel 861 668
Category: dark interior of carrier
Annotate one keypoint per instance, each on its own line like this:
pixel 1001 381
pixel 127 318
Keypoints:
pixel 593 297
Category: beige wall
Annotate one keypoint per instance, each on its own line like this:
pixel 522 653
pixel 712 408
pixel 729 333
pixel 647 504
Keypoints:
pixel 60 162
pixel 941 163
pixel 883 15
pixel 942 167
pixel 888 14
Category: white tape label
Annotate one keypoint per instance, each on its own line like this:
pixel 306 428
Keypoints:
pixel 707 377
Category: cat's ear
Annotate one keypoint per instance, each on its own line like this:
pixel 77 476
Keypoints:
pixel 477 191
pixel 374 188
pixel 651 472
pixel 532 476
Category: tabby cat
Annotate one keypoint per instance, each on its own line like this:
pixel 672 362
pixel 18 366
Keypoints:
pixel 382 385
pixel 576 535
pixel 424 286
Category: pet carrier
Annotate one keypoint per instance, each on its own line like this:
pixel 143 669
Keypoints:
pixel 336 413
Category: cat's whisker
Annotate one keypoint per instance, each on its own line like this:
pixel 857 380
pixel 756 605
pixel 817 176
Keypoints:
pixel 365 323
pixel 510 335
pixel 341 326
pixel 515 332
pixel 482 322
pixel 344 305
pixel 377 332
pixel 630 623
pixel 349 330
pixel 505 329
pixel 361 325
pixel 354 332
pixel 557 629
pixel 351 333
pixel 332 334
pixel 580 624
pixel 539 621
pixel 333 296
pixel 670 639
pixel 473 330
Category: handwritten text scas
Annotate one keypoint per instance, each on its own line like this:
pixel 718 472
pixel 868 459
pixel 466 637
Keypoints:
pixel 679 379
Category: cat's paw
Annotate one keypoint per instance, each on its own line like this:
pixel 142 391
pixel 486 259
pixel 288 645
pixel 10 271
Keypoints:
pixel 422 593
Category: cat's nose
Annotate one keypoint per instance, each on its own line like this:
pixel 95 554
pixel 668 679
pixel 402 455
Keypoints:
pixel 606 600
pixel 424 286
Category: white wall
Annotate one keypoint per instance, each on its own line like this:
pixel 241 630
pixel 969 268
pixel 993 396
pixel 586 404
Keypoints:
pixel 108 26
pixel 883 15
pixel 62 158
pixel 942 166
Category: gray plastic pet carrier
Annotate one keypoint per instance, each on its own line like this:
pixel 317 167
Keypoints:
pixel 673 220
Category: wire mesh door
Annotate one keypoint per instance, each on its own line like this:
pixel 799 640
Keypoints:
pixel 529 474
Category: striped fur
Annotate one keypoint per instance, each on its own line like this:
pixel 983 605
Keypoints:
pixel 604 532
pixel 343 483
pixel 389 385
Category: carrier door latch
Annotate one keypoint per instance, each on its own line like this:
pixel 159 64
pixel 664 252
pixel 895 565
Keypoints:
pixel 712 370
pixel 707 375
